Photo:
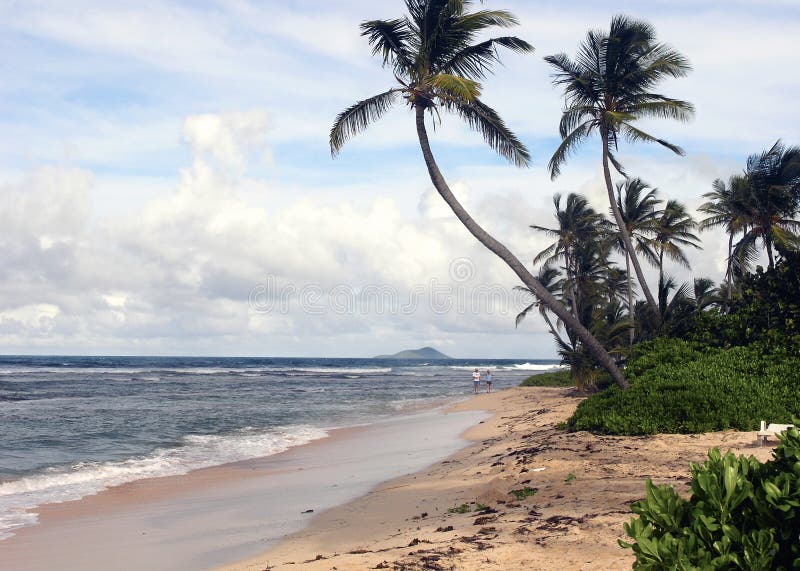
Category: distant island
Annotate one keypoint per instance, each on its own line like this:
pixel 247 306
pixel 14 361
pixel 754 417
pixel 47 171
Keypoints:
pixel 428 353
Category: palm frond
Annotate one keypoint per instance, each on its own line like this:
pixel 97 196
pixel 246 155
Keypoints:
pixel 491 126
pixel 634 135
pixel 475 61
pixel 358 116
pixel 390 39
pixel 454 87
pixel 664 108
pixel 567 147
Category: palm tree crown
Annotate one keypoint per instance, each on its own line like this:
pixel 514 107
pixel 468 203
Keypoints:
pixel 773 181
pixel 608 87
pixel 675 232
pixel 438 65
pixel 726 207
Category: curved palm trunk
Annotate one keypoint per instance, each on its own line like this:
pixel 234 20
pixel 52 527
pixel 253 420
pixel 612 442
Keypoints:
pixel 571 285
pixel 631 316
pixel 623 231
pixel 662 305
pixel 768 243
pixel 729 273
pixel 590 342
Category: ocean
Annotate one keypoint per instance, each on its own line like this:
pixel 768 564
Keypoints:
pixel 74 426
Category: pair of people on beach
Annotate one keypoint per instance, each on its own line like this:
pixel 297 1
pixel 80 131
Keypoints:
pixel 476 380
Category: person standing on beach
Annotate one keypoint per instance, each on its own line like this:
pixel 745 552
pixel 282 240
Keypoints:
pixel 488 381
pixel 476 381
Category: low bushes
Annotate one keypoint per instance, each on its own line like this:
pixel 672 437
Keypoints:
pixel 552 379
pixel 681 387
pixel 742 514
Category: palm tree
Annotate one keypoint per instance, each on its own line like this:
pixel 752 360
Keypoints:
pixel 438 67
pixel 673 233
pixel 607 88
pixel 637 203
pixel 726 206
pixel 773 179
pixel 577 223
pixel 705 293
pixel 550 278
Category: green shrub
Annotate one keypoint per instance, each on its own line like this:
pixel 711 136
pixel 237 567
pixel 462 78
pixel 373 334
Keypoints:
pixel 681 387
pixel 742 514
pixel 462 509
pixel 522 493
pixel 768 312
pixel 552 379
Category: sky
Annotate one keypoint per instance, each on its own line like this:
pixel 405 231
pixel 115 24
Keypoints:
pixel 167 186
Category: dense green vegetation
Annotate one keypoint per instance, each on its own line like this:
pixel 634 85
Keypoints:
pixel 683 387
pixel 551 379
pixel 742 514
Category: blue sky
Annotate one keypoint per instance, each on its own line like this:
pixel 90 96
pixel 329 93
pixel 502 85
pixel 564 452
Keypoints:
pixel 163 159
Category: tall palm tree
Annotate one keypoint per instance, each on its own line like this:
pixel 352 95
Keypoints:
pixel 773 179
pixel 637 204
pixel 607 88
pixel 577 222
pixel 726 207
pixel 438 63
pixel 675 231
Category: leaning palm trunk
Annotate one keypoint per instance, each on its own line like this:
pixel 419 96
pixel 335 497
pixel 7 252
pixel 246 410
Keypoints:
pixel 623 230
pixel 594 347
pixel 631 317
pixel 729 273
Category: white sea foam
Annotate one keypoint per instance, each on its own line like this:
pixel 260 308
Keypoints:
pixel 534 367
pixel 194 370
pixel 514 367
pixel 88 478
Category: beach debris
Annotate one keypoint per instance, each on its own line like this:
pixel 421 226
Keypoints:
pixel 444 528
pixel 307 512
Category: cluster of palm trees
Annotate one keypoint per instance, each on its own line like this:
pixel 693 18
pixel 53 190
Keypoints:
pixel 439 56
pixel 579 269
pixel 759 205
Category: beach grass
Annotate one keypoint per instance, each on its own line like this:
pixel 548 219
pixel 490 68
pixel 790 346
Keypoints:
pixel 551 379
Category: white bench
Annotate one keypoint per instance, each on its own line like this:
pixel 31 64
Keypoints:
pixel 770 430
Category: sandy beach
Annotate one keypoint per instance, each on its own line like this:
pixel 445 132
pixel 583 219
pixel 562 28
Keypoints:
pixel 216 515
pixel 490 484
pixel 579 490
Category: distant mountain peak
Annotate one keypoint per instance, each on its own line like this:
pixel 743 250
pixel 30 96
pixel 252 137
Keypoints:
pixel 428 353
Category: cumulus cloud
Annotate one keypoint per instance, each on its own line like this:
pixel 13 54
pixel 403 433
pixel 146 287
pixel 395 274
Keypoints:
pixel 179 273
pixel 227 137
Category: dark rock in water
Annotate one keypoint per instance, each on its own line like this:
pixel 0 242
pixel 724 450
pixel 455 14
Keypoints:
pixel 425 353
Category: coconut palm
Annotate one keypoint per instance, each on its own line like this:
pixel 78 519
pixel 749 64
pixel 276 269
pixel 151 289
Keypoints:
pixel 438 60
pixel 577 223
pixel 673 234
pixel 607 88
pixel 550 278
pixel 637 203
pixel 773 180
pixel 726 207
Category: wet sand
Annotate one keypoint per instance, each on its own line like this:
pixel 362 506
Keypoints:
pixel 221 514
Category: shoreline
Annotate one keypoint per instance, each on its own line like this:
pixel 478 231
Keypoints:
pixel 580 487
pixel 222 513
